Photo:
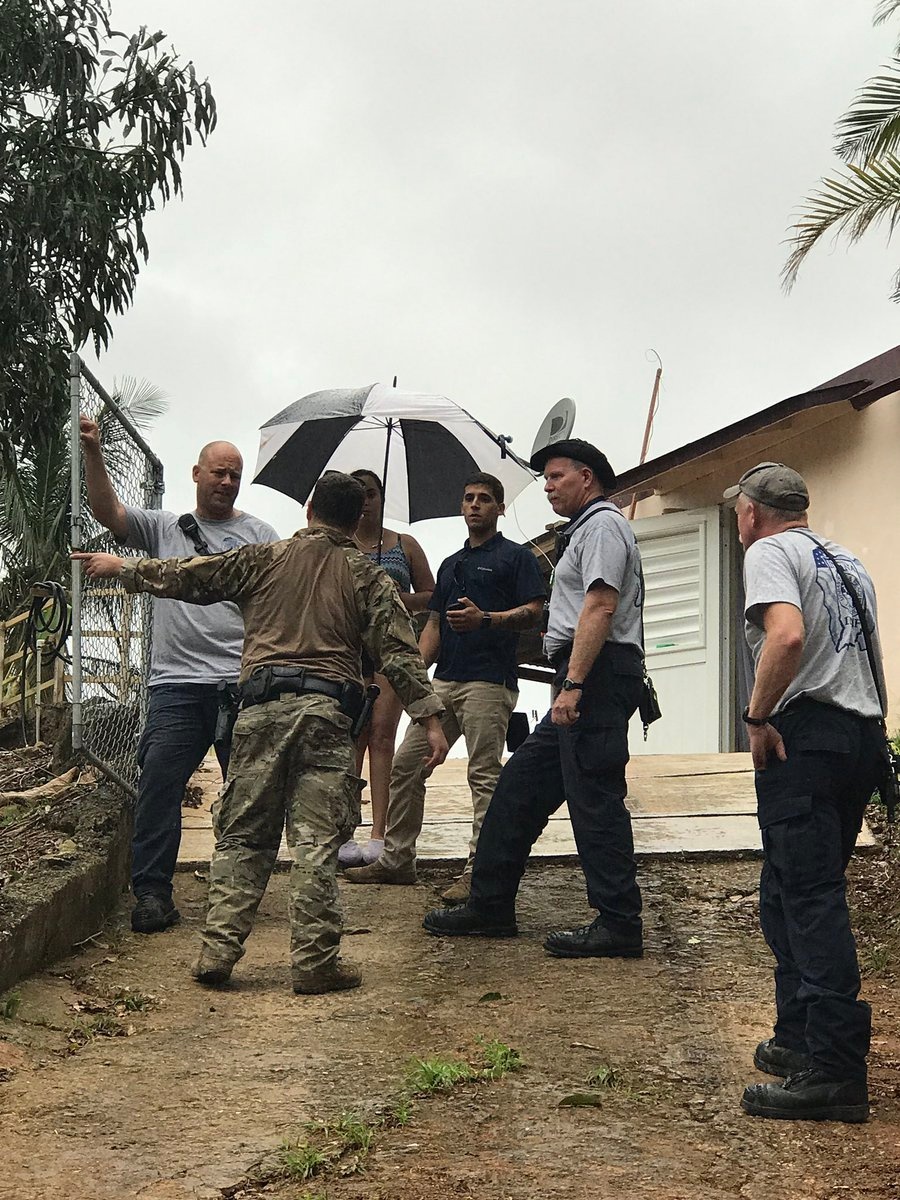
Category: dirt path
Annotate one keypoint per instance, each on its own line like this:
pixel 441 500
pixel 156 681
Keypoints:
pixel 206 1082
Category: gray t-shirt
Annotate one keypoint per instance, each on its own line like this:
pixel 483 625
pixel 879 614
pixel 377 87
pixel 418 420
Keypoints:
pixel 790 568
pixel 601 549
pixel 193 643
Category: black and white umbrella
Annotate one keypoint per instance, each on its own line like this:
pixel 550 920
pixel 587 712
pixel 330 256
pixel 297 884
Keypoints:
pixel 424 447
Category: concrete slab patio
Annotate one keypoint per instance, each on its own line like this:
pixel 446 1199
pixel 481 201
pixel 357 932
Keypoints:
pixel 696 804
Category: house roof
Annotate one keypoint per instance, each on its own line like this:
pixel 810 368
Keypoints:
pixel 861 386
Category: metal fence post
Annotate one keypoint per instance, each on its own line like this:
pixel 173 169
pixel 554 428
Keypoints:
pixel 75 459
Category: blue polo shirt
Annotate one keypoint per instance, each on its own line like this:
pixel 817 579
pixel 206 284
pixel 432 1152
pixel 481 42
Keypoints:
pixel 496 576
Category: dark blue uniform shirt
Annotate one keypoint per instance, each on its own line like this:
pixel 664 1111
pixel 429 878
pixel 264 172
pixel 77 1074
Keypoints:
pixel 496 576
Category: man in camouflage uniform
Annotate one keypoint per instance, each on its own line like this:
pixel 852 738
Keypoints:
pixel 310 605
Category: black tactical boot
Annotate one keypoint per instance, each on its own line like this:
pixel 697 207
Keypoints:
pixel 462 921
pixel 808 1096
pixel 153 913
pixel 593 941
pixel 779 1060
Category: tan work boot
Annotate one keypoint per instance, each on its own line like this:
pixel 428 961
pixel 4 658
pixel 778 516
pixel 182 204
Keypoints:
pixel 335 976
pixel 459 889
pixel 211 971
pixel 376 873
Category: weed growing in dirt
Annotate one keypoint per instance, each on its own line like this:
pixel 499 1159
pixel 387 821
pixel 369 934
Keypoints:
pixel 499 1059
pixel 9 1005
pixel 877 959
pixel 349 1130
pixel 399 1113
pixel 104 1025
pixel 129 1001
pixel 300 1160
pixel 606 1076
pixel 436 1074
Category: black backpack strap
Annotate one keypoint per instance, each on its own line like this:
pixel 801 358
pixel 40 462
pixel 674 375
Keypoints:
pixel 187 523
pixel 859 604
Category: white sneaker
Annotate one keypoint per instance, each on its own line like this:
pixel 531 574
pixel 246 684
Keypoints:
pixel 373 849
pixel 351 854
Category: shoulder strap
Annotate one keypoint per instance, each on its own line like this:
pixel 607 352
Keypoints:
pixel 860 606
pixel 187 523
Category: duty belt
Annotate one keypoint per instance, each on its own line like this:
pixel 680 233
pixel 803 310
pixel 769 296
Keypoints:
pixel 269 683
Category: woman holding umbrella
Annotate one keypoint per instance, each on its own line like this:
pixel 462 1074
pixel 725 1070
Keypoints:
pixel 404 560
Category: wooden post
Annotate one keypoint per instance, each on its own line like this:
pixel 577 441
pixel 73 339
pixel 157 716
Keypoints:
pixel 654 401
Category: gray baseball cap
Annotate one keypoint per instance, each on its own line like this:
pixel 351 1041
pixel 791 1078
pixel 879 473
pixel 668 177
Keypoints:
pixel 773 484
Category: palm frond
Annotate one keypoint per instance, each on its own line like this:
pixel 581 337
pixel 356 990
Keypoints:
pixel 884 10
pixel 847 204
pixel 141 400
pixel 871 126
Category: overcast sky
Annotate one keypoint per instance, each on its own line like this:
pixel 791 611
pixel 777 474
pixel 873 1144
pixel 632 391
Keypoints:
pixel 504 202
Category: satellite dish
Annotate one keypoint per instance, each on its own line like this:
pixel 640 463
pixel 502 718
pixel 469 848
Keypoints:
pixel 556 426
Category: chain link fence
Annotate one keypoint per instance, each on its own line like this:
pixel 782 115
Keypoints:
pixel 110 628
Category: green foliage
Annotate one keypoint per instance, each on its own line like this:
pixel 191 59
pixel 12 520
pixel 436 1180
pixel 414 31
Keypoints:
pixel 35 499
pixel 436 1074
pixel 849 202
pixel 605 1076
pixel 93 127
pixel 9 1005
pixel 300 1160
pixel 499 1059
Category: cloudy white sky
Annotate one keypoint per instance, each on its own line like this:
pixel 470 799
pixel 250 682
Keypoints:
pixel 504 201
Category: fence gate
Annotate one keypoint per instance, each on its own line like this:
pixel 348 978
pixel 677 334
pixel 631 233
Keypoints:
pixel 110 628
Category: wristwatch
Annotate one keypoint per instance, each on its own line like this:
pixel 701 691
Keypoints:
pixel 487 620
pixel 569 685
pixel 748 720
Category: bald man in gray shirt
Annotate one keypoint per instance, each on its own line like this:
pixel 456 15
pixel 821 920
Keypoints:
pixel 193 650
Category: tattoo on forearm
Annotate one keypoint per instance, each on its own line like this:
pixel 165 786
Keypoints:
pixel 518 618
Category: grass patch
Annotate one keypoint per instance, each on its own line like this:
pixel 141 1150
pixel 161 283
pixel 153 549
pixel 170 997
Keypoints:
pixel 300 1160
pixel 9 1005
pixel 104 1025
pixel 877 959
pixel 499 1059
pixel 436 1074
pixel 606 1076
pixel 127 1001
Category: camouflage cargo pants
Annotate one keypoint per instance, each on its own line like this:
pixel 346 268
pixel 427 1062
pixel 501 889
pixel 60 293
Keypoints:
pixel 291 767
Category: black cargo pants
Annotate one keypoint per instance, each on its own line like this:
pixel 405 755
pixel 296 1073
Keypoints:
pixel 583 765
pixel 810 813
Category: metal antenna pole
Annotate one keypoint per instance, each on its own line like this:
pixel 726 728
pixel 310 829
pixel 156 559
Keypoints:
pixel 654 404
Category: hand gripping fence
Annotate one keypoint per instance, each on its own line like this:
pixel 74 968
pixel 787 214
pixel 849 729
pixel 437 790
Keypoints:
pixel 110 628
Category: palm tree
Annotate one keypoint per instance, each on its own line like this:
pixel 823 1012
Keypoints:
pixel 868 192
pixel 35 496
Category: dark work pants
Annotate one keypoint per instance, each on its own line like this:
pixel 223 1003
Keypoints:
pixel 583 765
pixel 180 728
pixel 810 812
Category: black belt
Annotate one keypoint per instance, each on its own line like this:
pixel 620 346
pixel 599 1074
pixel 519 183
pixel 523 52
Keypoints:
pixel 269 683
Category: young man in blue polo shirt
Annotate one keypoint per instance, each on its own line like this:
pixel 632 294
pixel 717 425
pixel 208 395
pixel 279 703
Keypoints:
pixel 486 594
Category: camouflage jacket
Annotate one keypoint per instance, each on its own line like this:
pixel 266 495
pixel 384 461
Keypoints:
pixel 312 600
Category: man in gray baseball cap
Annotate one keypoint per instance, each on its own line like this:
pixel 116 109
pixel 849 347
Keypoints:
pixel 816 739
pixel 772 484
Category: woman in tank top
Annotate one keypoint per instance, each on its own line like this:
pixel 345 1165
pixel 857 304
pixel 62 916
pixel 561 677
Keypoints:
pixel 404 560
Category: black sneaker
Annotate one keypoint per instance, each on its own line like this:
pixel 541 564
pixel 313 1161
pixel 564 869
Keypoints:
pixel 808 1095
pixel 153 913
pixel 593 941
pixel 461 921
pixel 779 1060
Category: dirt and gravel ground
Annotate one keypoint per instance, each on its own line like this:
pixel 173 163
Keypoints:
pixel 120 1077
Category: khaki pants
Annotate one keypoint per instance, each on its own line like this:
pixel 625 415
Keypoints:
pixel 291 768
pixel 479 713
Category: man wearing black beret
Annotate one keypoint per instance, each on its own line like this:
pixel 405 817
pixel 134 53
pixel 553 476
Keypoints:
pixel 578 752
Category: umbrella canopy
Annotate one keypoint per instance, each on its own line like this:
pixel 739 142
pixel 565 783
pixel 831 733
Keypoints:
pixel 424 448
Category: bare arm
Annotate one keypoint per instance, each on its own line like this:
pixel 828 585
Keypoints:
pixel 470 616
pixel 105 504
pixel 591 633
pixel 779 662
pixel 430 639
pixel 420 573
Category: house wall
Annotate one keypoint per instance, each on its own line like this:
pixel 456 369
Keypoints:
pixel 851 463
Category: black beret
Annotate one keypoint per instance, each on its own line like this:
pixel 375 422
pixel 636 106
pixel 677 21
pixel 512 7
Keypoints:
pixel 580 451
